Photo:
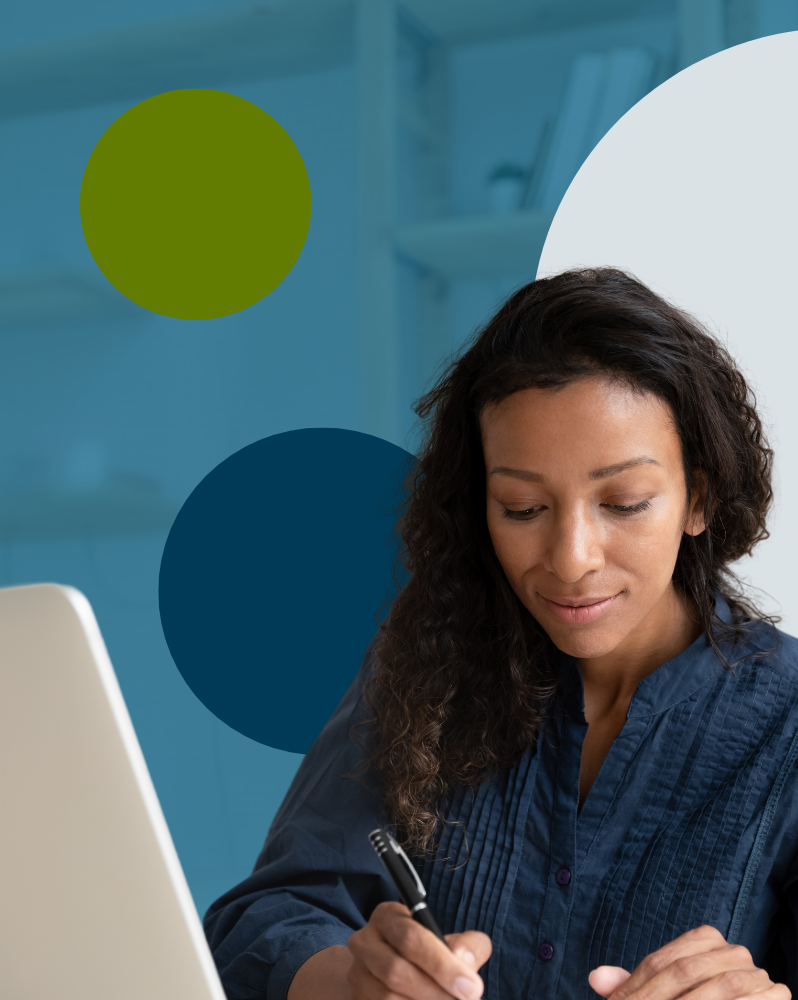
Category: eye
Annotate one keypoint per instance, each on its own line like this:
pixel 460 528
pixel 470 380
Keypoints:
pixel 523 515
pixel 631 509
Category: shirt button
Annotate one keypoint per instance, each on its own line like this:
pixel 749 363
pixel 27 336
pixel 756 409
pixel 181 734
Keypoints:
pixel 545 951
pixel 563 877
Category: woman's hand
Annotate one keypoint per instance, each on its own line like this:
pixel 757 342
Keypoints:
pixel 699 963
pixel 395 958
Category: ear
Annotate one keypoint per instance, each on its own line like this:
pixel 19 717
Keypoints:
pixel 694 522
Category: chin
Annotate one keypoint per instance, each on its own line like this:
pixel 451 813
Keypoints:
pixel 581 644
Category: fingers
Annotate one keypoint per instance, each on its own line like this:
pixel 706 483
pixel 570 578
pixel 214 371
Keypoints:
pixel 382 974
pixel 777 991
pixel 430 955
pixel 700 941
pixel 409 961
pixel 607 978
pixel 752 983
pixel 365 986
pixel 733 984
pixel 699 965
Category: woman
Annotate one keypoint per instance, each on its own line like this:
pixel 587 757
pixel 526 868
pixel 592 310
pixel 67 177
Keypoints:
pixel 576 723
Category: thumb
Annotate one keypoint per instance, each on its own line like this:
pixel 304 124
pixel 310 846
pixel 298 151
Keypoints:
pixel 472 947
pixel 606 979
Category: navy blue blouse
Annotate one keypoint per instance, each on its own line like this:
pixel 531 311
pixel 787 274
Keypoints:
pixel 693 813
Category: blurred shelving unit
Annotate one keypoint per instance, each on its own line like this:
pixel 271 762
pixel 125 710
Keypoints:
pixel 108 510
pixel 256 42
pixel 289 37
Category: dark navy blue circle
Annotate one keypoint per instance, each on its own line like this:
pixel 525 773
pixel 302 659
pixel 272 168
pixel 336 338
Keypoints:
pixel 273 574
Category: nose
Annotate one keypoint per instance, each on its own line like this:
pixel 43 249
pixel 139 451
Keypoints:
pixel 574 546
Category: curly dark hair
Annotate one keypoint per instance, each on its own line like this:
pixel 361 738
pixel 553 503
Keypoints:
pixel 464 672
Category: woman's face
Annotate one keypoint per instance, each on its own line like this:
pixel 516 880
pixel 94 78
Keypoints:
pixel 586 506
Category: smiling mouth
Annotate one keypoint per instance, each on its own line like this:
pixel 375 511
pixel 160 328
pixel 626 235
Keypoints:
pixel 579 610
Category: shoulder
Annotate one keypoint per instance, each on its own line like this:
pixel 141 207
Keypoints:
pixel 786 665
pixel 771 656
pixel 782 651
pixel 787 652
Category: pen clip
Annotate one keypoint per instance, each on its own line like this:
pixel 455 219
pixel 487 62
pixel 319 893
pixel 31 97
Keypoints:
pixel 411 870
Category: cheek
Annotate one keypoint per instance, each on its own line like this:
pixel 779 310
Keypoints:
pixel 648 544
pixel 516 550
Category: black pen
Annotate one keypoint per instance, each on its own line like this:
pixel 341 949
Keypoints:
pixel 405 878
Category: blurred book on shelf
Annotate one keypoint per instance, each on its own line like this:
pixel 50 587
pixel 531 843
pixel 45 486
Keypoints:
pixel 60 297
pixel 599 90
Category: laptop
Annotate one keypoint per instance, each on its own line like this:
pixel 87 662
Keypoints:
pixel 93 902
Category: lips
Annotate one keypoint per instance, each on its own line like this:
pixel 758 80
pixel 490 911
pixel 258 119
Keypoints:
pixel 579 610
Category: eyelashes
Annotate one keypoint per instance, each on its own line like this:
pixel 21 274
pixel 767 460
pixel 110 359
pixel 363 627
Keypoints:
pixel 632 509
pixel 619 509
pixel 521 515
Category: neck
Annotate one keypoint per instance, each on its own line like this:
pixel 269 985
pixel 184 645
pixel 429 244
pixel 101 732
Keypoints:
pixel 667 630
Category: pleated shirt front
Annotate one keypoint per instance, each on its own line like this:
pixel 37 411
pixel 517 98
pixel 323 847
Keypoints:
pixel 663 842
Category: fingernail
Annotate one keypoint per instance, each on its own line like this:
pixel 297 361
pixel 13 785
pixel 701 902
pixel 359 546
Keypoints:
pixel 466 956
pixel 467 989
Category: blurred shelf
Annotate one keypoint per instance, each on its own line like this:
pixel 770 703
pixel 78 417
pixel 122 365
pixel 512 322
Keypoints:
pixel 108 510
pixel 482 246
pixel 259 42
pixel 60 297
pixel 464 22
pixel 253 43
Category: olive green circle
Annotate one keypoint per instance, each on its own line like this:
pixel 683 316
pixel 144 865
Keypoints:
pixel 195 204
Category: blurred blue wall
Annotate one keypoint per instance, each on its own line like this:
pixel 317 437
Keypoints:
pixel 111 415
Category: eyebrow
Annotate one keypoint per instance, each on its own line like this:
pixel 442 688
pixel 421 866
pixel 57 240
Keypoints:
pixel 604 473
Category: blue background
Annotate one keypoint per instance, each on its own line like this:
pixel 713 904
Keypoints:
pixel 111 416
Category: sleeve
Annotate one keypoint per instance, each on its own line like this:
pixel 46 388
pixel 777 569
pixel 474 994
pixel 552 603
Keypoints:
pixel 317 879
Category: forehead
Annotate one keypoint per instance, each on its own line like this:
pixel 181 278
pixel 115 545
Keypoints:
pixel 591 422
